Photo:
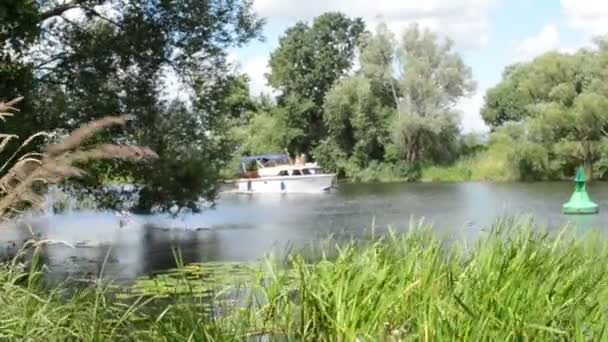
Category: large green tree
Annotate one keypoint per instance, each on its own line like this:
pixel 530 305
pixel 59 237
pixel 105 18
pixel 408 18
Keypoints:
pixel 377 61
pixel 560 101
pixel 358 109
pixel 432 79
pixel 407 89
pixel 357 123
pixel 506 101
pixel 82 59
pixel 308 61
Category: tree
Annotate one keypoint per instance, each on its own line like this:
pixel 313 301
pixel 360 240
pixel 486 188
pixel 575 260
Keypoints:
pixel 358 108
pixel 356 121
pixel 560 101
pixel 377 59
pixel 506 101
pixel 382 121
pixel 306 64
pixel 113 57
pixel 432 79
pixel 267 132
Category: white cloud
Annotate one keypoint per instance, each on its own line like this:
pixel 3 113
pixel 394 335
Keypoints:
pixel 465 21
pixel 470 116
pixel 256 67
pixel 589 16
pixel 546 40
pixel 173 88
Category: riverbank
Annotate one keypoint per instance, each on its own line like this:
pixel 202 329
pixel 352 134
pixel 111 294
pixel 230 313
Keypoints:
pixel 514 283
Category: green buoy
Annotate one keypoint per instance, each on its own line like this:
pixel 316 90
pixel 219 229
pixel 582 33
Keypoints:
pixel 579 202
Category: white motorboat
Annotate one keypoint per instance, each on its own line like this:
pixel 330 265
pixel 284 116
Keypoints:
pixel 276 176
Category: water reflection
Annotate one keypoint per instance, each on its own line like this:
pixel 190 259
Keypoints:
pixel 246 227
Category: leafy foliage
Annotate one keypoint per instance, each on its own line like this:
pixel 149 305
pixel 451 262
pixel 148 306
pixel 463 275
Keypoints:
pixel 114 57
pixel 557 106
pixel 379 117
pixel 267 132
pixel 433 78
pixel 356 121
pixel 308 61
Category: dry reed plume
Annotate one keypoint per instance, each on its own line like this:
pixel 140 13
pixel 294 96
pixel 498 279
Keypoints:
pixel 56 163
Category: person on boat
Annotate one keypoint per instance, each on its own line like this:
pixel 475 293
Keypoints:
pixel 124 218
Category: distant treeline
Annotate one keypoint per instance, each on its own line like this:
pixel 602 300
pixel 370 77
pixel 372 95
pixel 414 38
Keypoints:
pixel 375 107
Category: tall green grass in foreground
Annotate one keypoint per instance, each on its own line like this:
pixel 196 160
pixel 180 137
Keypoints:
pixel 514 283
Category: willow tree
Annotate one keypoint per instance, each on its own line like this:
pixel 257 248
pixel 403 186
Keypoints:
pixel 358 108
pixel 432 79
pixel 401 99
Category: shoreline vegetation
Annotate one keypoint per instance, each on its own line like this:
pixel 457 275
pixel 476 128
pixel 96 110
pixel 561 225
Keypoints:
pixel 367 103
pixel 516 282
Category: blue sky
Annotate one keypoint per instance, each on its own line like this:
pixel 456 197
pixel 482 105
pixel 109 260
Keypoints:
pixel 489 34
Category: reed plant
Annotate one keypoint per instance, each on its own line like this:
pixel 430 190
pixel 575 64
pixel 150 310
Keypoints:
pixel 25 175
pixel 514 283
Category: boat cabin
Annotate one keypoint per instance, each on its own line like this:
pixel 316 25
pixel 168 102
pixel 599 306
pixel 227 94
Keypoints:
pixel 308 169
pixel 303 171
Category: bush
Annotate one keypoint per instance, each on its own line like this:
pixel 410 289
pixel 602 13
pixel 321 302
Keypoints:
pixel 385 172
pixel 491 165
pixel 331 157
pixel 460 171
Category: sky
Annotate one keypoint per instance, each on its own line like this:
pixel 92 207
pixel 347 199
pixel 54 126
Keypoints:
pixel 489 34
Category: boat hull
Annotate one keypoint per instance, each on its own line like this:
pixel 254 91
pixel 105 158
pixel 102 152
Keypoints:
pixel 288 184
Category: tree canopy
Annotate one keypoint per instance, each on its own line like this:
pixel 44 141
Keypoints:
pixel 308 61
pixel 432 79
pixel 82 59
pixel 559 105
pixel 399 106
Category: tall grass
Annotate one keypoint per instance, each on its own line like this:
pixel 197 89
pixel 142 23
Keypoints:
pixel 25 175
pixel 490 165
pixel 460 171
pixel 514 283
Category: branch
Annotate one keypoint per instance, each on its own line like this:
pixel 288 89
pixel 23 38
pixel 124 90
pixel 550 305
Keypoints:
pixel 43 64
pixel 73 24
pixel 94 12
pixel 59 10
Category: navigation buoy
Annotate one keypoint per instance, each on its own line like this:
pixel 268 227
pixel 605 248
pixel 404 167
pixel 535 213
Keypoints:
pixel 580 203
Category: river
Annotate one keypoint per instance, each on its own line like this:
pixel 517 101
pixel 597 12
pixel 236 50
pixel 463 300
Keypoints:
pixel 248 227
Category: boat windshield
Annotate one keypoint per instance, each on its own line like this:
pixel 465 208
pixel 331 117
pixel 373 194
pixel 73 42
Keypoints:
pixel 301 172
pixel 312 171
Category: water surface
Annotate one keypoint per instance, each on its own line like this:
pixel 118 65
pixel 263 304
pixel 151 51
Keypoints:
pixel 248 227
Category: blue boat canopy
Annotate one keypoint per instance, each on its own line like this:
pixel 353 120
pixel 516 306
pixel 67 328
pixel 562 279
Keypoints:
pixel 264 159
